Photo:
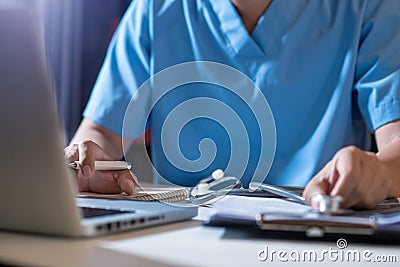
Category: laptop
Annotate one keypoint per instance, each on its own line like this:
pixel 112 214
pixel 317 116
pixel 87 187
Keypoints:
pixel 37 193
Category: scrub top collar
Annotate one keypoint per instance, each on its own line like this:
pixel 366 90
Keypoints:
pixel 272 25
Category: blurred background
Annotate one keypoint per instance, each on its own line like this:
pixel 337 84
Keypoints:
pixel 77 34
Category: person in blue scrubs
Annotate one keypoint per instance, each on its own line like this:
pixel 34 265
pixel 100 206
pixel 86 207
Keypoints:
pixel 330 71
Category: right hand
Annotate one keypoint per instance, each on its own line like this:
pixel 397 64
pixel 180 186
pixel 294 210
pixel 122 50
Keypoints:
pixel 87 179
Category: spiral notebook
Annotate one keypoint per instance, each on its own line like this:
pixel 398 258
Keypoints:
pixel 148 193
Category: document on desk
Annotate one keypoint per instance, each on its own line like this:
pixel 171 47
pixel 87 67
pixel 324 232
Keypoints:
pixel 240 208
pixel 251 206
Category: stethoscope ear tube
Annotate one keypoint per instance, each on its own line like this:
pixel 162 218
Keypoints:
pixel 201 194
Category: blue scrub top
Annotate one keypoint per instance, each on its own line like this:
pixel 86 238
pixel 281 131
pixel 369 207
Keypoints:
pixel 330 71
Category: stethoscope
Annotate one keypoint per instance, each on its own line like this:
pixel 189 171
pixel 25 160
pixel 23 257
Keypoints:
pixel 217 185
pixel 213 187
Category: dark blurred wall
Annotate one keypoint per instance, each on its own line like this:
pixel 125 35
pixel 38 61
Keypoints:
pixel 100 19
pixel 77 34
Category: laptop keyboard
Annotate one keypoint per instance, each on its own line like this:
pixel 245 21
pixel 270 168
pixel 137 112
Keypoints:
pixel 95 212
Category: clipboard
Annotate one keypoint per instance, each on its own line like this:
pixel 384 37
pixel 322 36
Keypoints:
pixel 385 219
pixel 314 224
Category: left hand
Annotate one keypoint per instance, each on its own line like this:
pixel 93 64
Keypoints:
pixel 87 179
pixel 358 176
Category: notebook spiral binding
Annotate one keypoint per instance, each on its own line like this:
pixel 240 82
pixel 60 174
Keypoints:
pixel 170 196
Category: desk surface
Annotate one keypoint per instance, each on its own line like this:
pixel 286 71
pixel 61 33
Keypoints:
pixel 180 244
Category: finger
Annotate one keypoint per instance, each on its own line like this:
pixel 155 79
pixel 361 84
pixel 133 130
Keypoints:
pixel 318 185
pixel 105 182
pixel 82 181
pixel 112 182
pixel 346 187
pixel 348 164
pixel 127 182
pixel 86 157
pixel 333 177
pixel 71 153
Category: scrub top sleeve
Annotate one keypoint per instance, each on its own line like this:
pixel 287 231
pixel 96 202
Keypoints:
pixel 378 64
pixel 125 68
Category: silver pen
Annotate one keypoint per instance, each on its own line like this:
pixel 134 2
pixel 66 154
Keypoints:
pixel 104 165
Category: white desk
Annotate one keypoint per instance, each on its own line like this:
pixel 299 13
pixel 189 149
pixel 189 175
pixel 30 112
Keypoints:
pixel 180 244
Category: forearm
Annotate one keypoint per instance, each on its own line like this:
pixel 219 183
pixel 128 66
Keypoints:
pixel 110 142
pixel 389 154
